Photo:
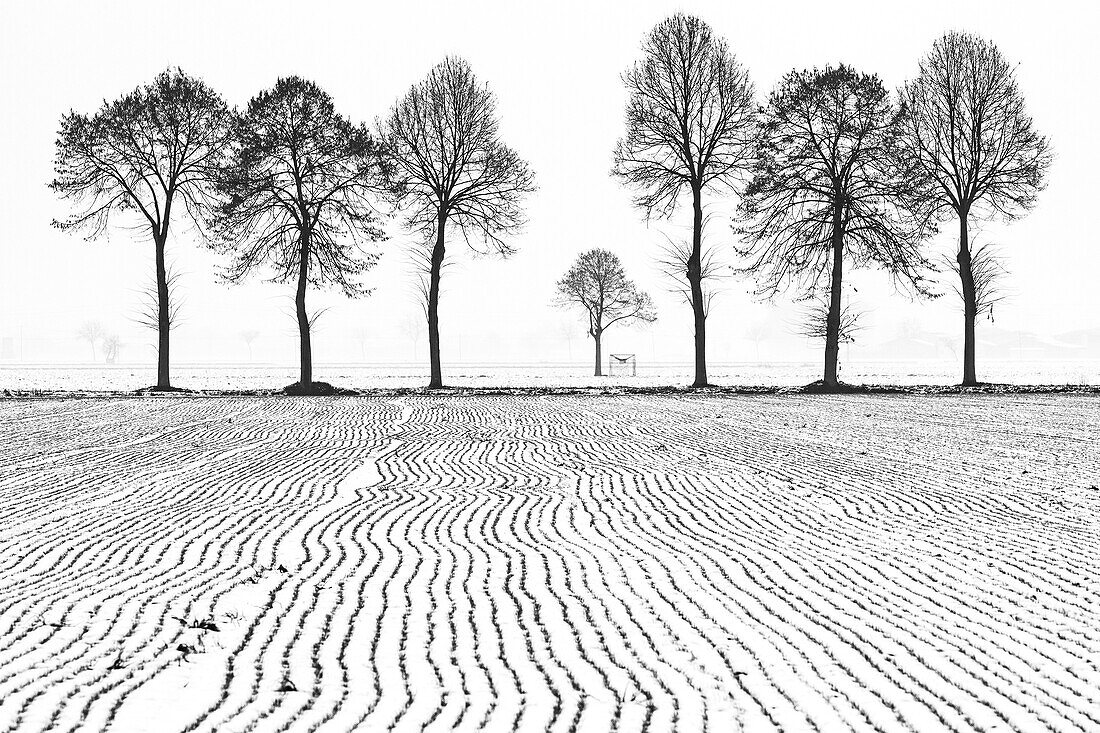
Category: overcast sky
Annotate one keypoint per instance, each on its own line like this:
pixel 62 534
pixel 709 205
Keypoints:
pixel 556 71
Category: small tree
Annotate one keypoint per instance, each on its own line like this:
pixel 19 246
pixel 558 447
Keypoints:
pixel 248 336
pixel 150 314
pixel 969 131
pixel 145 154
pixel 92 332
pixel 111 345
pixel 413 329
pixel 597 283
pixel 450 169
pixel 815 320
pixel 756 333
pixel 297 197
pixel 830 181
pixel 987 270
pixel 688 126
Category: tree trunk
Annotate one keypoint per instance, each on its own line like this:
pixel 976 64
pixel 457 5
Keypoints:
pixel 438 252
pixel 695 281
pixel 970 302
pixel 599 353
pixel 164 324
pixel 306 352
pixel 832 323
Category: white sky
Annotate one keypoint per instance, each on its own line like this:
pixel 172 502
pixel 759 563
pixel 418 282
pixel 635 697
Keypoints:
pixel 555 69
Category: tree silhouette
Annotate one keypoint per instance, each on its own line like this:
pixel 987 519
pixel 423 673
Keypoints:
pixel 298 194
pixel 144 155
pixel 688 124
pixel 92 332
pixel 756 333
pixel 111 345
pixel 248 336
pixel 413 329
pixel 830 181
pixel 597 283
pixel 969 131
pixel 450 169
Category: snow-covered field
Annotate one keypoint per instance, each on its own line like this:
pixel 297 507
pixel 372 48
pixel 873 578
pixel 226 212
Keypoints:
pixel 783 562
pixel 128 377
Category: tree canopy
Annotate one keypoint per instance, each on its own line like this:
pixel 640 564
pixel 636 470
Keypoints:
pixel 597 283
pixel 689 115
pixel 446 159
pixel 302 179
pixel 830 162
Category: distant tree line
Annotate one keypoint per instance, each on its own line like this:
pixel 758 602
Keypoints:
pixel 833 170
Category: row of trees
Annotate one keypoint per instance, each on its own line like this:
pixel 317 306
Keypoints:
pixel 289 184
pixel 833 170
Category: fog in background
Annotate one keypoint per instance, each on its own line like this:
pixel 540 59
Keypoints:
pixel 555 69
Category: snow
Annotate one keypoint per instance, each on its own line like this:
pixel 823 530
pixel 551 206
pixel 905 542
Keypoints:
pixel 126 378
pixel 663 562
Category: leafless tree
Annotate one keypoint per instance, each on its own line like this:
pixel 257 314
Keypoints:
pixel 970 132
pixel 830 182
pixel 756 333
pixel 248 336
pixel 688 125
pixel 299 192
pixel 450 170
pixel 565 328
pixel 92 332
pixel 413 329
pixel 597 283
pixel 111 346
pixel 144 155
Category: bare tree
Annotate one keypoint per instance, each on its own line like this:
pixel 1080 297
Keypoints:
pixel 298 197
pixel 565 328
pixel 92 332
pixel 248 336
pixel 969 131
pixel 830 182
pixel 111 345
pixel 450 169
pixel 413 329
pixel 597 283
pixel 144 154
pixel 756 333
pixel 688 124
